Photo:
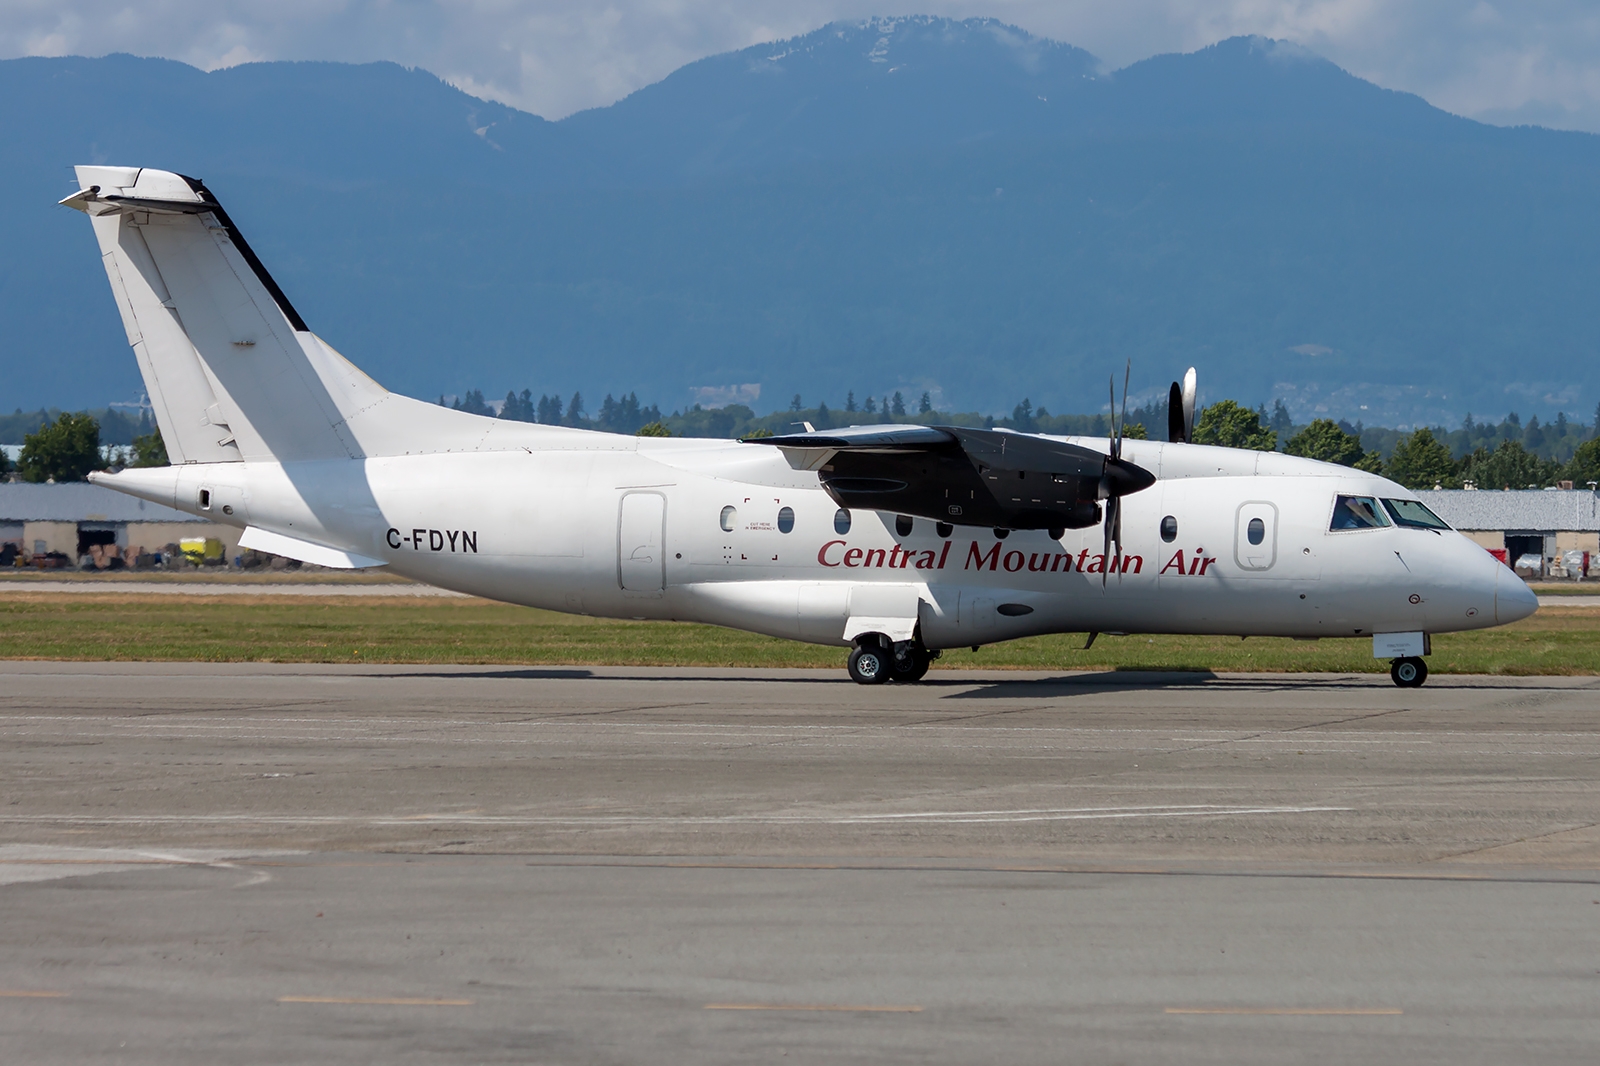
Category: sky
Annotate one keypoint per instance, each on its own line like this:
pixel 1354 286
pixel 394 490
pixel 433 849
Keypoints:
pixel 1536 61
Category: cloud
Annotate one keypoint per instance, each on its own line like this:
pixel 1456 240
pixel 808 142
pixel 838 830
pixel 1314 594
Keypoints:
pixel 1534 60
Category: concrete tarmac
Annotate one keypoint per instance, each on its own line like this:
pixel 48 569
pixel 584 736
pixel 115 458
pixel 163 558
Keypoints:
pixel 266 863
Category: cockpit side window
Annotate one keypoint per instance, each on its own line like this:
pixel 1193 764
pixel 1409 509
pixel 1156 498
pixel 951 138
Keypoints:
pixel 1356 512
pixel 1413 513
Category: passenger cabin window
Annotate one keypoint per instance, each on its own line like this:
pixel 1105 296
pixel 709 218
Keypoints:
pixel 1356 512
pixel 1414 514
pixel 785 519
pixel 730 515
pixel 1169 529
pixel 1256 531
pixel 841 521
pixel 902 524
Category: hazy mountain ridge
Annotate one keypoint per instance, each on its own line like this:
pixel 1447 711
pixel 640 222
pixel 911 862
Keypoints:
pixel 873 206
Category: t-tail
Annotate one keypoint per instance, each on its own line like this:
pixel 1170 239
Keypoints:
pixel 232 372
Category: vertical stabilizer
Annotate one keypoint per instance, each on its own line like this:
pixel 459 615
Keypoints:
pixel 232 371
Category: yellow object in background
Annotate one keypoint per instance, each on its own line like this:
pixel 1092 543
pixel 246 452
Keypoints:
pixel 202 550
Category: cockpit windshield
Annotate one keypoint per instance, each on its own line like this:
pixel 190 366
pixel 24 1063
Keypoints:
pixel 1412 513
pixel 1356 512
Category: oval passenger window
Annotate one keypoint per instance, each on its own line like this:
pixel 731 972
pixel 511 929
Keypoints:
pixel 730 514
pixel 1256 531
pixel 1169 529
pixel 785 519
pixel 902 524
pixel 841 521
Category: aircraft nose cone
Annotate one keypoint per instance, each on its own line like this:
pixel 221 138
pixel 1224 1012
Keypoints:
pixel 1513 599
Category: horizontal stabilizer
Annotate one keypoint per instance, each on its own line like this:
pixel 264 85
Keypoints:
pixel 263 540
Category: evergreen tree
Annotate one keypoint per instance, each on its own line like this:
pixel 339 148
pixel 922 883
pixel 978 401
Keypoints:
pixel 1419 461
pixel 1324 440
pixel 654 429
pixel 824 417
pixel 1585 464
pixel 850 401
pixel 794 404
pixel 1281 423
pixel 549 412
pixel 897 406
pixel 517 408
pixel 63 451
pixel 1533 435
pixel 1232 426
pixel 472 403
pixel 925 405
pixel 871 406
pixel 1510 466
pixel 149 449
pixel 1022 416
pixel 575 410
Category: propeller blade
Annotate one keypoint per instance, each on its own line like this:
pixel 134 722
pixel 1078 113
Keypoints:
pixel 1116 432
pixel 1175 431
pixel 1188 404
pixel 1122 423
pixel 1113 513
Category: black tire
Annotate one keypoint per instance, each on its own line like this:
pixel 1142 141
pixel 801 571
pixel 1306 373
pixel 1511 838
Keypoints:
pixel 1409 672
pixel 869 665
pixel 909 664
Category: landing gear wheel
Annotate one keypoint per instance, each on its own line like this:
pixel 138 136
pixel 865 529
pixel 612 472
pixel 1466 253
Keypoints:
pixel 909 662
pixel 869 665
pixel 1409 672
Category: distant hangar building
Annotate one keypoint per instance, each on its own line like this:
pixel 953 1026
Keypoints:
pixel 1548 523
pixel 72 517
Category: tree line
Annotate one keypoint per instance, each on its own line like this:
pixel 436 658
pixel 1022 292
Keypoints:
pixel 68 449
pixel 1507 454
pixel 615 416
pixel 1421 459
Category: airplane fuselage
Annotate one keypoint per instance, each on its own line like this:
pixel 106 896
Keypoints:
pixel 733 534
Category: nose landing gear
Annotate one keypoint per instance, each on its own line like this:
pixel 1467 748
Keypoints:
pixel 876 659
pixel 1409 672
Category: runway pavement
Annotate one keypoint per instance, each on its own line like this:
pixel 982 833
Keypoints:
pixel 266 863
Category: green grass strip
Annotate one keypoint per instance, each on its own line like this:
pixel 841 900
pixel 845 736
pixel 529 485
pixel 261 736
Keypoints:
pixel 346 630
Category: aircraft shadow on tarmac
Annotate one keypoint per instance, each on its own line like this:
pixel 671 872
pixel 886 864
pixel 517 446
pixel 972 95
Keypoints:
pixel 467 673
pixel 1071 684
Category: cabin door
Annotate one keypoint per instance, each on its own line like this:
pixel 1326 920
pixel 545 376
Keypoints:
pixel 641 540
pixel 1255 536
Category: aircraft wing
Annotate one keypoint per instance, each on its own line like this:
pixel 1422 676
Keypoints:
pixel 972 477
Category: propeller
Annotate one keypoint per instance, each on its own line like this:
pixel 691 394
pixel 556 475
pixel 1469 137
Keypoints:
pixel 1180 409
pixel 1113 480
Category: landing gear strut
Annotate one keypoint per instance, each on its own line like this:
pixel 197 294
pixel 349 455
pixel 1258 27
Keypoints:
pixel 1409 672
pixel 876 659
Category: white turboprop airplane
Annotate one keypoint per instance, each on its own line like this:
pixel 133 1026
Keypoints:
pixel 895 541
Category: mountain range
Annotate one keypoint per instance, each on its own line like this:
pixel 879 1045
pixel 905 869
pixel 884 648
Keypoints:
pixel 892 205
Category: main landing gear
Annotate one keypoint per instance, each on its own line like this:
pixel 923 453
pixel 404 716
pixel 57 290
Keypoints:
pixel 876 659
pixel 1409 672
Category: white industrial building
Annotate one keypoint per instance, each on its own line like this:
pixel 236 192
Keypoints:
pixel 1550 523
pixel 70 518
